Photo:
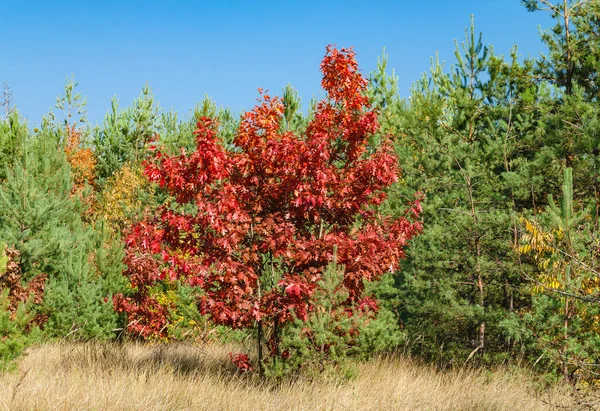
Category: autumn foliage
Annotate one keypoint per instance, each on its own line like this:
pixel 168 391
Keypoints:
pixel 81 159
pixel 83 168
pixel 255 227
pixel 20 292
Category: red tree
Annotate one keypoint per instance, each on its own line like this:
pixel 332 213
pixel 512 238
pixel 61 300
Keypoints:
pixel 254 227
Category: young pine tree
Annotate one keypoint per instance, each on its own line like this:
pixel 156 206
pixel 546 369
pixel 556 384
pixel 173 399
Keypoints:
pixel 42 219
pixel 460 139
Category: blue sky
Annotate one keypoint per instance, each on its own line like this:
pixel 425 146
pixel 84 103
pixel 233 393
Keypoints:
pixel 228 49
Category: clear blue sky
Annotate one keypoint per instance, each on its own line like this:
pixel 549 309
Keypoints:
pixel 228 49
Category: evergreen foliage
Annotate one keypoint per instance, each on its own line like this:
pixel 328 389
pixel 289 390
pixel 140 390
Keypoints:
pixel 459 146
pixel 17 328
pixel 42 219
pixel 326 341
pixel 16 331
pixel 125 134
pixel 487 142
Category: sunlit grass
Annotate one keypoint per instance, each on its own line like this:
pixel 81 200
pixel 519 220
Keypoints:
pixel 174 377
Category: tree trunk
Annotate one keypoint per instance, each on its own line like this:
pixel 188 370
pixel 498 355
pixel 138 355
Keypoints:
pixel 259 337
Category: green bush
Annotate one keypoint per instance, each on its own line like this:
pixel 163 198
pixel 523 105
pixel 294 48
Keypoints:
pixel 16 331
pixel 331 340
pixel 42 219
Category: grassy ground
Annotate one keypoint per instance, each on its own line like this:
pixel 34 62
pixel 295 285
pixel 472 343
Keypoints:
pixel 86 376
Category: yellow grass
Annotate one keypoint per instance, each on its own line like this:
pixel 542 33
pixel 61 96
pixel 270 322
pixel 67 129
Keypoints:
pixel 182 377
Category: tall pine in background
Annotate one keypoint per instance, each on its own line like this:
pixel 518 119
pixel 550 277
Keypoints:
pixel 461 138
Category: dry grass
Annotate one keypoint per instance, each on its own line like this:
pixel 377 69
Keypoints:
pixel 85 376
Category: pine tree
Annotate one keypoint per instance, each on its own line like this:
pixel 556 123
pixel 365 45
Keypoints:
pixel 569 122
pixel 13 136
pixel 293 120
pixel 16 331
pixel 572 42
pixel 125 134
pixel 41 219
pixel 461 141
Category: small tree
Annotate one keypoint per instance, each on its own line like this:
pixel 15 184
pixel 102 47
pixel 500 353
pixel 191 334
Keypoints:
pixel 563 244
pixel 255 227
pixel 42 220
